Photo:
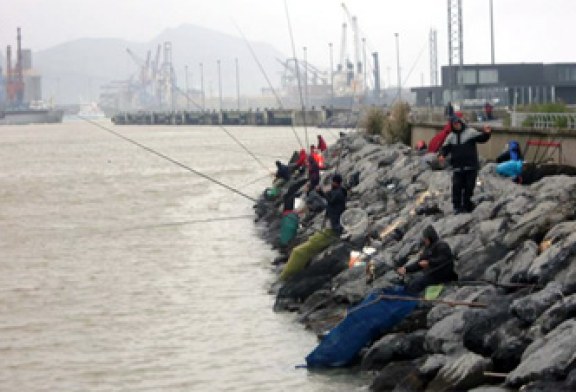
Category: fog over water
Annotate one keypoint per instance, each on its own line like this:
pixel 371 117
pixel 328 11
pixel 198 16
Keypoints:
pixel 103 285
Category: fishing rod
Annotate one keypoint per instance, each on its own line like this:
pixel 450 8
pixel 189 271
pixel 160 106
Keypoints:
pixel 253 53
pixel 278 100
pixel 190 222
pixel 177 163
pixel 256 180
pixel 227 132
pixel 297 71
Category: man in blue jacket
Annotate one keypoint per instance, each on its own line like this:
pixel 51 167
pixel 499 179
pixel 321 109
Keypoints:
pixel 461 146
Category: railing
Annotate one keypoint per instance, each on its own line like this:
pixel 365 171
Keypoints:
pixel 543 120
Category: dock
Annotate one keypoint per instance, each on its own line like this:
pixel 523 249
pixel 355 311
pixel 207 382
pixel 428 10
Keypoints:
pixel 264 117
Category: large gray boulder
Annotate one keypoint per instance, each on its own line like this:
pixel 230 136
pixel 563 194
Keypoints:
pixel 462 372
pixel 550 357
pixel 514 267
pixel 394 347
pixel 530 307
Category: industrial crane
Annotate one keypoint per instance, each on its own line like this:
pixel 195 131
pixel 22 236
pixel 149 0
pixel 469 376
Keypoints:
pixel 354 25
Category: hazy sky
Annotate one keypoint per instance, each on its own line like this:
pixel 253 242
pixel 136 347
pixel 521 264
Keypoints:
pixel 525 30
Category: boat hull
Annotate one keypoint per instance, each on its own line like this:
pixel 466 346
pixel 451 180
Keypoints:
pixel 31 116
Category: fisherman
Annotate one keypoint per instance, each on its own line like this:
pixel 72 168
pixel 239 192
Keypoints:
pixel 512 153
pixel 436 262
pixel 438 140
pixel 511 162
pixel 430 159
pixel 313 173
pixel 335 205
pixel 461 146
pixel 283 173
pixel 322 144
pixel 336 202
pixel 302 159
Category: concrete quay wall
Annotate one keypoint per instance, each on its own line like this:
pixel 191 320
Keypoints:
pixel 566 154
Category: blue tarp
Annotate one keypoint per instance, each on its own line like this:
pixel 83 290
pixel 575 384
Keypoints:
pixel 363 324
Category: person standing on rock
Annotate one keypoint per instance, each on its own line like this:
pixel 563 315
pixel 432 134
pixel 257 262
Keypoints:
pixel 461 146
pixel 436 262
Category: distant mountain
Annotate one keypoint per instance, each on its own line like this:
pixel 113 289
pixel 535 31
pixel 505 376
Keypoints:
pixel 73 72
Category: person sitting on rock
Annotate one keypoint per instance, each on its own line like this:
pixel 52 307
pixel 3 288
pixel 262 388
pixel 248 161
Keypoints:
pixel 461 146
pixel 512 153
pixel 302 159
pixel 511 162
pixel 436 262
pixel 335 205
pixel 283 173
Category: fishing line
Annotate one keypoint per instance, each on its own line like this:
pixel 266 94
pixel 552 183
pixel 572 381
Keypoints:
pixel 297 72
pixel 267 79
pixel 278 100
pixel 229 134
pixel 190 222
pixel 207 177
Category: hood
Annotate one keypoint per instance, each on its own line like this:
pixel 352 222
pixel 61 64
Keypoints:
pixel 514 149
pixel 431 234
pixel 456 119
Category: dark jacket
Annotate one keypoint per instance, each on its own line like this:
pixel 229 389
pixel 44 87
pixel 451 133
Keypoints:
pixel 336 204
pixel 283 171
pixel 461 146
pixel 440 259
pixel 313 171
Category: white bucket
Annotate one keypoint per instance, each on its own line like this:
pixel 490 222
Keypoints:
pixel 354 221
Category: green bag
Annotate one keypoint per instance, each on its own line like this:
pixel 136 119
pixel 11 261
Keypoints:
pixel 288 228
pixel 271 193
pixel 303 253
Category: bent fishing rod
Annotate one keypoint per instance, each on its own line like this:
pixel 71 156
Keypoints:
pixel 177 163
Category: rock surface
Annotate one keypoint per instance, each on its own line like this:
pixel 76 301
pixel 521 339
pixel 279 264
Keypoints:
pixel 516 254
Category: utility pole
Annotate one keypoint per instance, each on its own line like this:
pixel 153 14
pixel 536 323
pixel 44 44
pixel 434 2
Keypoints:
pixel 398 67
pixel 219 84
pixel 364 82
pixel 187 89
pixel 202 87
pixel 237 83
pixel 306 103
pixel 331 75
pixel 492 30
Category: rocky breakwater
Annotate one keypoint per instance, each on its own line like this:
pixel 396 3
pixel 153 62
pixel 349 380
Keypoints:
pixel 516 253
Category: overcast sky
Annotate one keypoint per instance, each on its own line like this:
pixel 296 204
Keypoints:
pixel 525 30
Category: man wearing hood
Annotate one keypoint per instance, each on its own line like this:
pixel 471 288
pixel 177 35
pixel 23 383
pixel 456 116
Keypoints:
pixel 436 261
pixel 283 172
pixel 461 146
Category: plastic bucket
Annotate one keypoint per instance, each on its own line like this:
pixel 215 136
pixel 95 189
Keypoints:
pixel 354 221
